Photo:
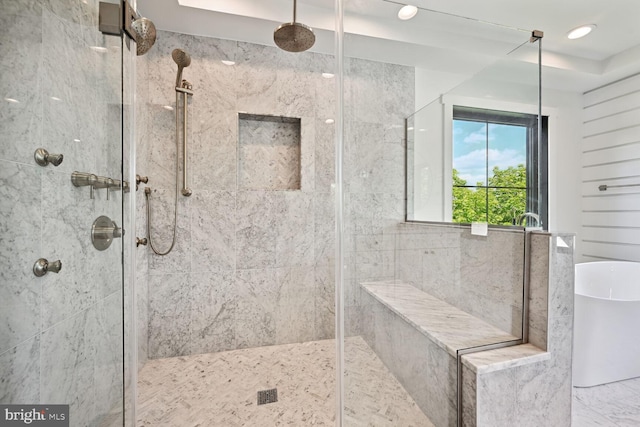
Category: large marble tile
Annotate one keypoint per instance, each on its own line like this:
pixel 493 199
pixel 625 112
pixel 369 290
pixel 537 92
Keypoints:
pixel 67 357
pixel 363 157
pixel 296 92
pixel 20 227
pixel 109 362
pixel 213 242
pixel 256 228
pixel 20 373
pixel 324 157
pixel 21 50
pixel 398 92
pixel 212 149
pixel 561 297
pixel 544 391
pixel 214 302
pixel 169 321
pixel 496 393
pixel 256 69
pixel 363 83
pixel 295 230
pixel 64 47
pixel 325 300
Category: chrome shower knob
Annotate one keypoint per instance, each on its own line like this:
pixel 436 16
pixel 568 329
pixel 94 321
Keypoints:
pixel 42 267
pixel 43 158
pixel 103 231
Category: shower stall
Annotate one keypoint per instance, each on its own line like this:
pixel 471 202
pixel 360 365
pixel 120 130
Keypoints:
pixel 301 284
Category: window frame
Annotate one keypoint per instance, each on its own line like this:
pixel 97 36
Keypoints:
pixel 536 170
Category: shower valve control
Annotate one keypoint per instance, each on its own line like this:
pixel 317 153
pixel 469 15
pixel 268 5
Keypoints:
pixel 42 267
pixel 103 231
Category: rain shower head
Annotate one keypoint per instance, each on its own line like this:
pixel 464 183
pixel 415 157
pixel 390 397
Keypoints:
pixel 145 35
pixel 294 36
pixel 183 59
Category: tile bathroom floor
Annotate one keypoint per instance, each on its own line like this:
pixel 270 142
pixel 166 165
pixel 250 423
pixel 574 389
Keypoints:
pixel 609 405
pixel 220 389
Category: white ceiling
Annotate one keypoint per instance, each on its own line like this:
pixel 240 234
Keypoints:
pixel 435 39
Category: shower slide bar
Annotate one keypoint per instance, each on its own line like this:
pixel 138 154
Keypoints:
pixel 604 187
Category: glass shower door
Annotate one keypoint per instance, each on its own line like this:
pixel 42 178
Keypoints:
pixel 61 315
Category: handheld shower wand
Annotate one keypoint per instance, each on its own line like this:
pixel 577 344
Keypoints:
pixel 182 59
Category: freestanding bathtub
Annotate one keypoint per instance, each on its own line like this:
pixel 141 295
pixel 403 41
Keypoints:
pixel 606 346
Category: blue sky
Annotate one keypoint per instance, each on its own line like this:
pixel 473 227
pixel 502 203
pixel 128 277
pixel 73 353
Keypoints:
pixel 507 147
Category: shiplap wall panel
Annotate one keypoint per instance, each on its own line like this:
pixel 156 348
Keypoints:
pixel 629 201
pixel 612 139
pixel 611 235
pixel 611 171
pixel 615 106
pixel 611 251
pixel 615 154
pixel 611 123
pixel 611 218
pixel 621 88
pixel 611 156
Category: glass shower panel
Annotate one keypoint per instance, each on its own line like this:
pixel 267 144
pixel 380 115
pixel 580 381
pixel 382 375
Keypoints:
pixel 61 331
pixel 400 280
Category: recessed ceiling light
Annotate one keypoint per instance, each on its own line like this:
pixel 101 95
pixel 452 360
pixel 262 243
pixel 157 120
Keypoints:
pixel 76 140
pixel 227 62
pixel 12 100
pixel 407 12
pixel 581 31
pixel 329 121
pixel 55 98
pixel 410 128
pixel 168 107
pixel 327 75
pixel 99 49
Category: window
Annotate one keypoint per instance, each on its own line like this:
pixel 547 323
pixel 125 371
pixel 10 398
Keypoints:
pixel 496 166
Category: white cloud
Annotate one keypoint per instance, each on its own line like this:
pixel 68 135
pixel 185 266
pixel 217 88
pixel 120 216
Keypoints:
pixel 476 138
pixel 472 165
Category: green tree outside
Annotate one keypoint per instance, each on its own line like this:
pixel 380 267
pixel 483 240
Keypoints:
pixel 494 205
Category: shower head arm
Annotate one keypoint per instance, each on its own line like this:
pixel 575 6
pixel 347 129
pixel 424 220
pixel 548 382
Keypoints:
pixel 295 7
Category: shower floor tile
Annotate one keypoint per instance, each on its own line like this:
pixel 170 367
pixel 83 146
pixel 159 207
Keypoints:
pixel 220 389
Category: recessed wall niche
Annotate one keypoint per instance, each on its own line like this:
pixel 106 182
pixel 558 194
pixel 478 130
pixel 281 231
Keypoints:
pixel 268 152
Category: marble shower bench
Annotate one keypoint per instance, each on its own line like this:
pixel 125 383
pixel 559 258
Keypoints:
pixel 419 338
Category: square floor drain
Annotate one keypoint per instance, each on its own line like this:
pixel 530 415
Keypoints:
pixel 267 396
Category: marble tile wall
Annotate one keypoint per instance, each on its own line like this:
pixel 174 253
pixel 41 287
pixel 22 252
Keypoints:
pixel 539 391
pixel 265 259
pixel 251 266
pixel 482 275
pixel 377 99
pixel 61 334
pixel 141 164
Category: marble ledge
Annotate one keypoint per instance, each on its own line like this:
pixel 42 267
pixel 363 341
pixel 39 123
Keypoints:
pixel 504 358
pixel 447 326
